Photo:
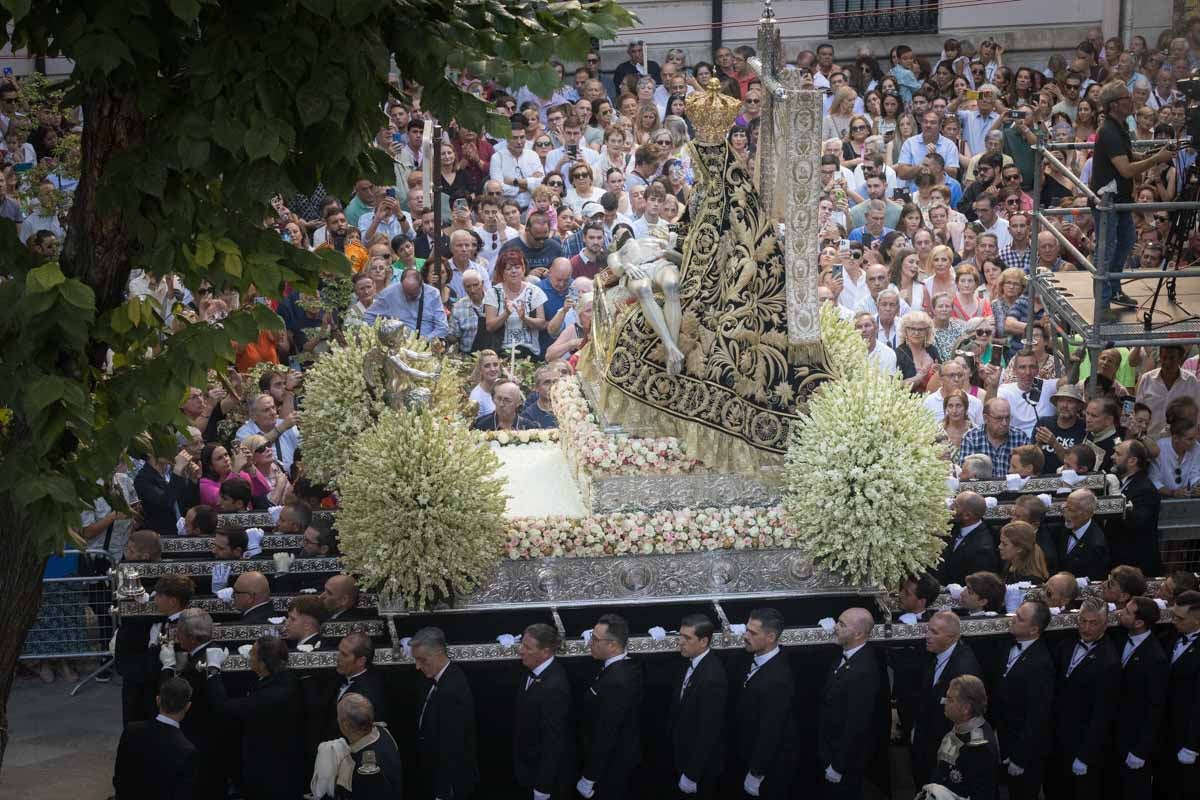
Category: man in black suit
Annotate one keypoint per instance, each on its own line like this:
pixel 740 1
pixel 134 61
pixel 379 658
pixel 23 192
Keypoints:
pixel 302 630
pixel 907 659
pixel 341 600
pixel 1133 539
pixel 1142 695
pixel 158 488
pixel 316 542
pixel 155 761
pixel 972 547
pixel 356 721
pixel 354 666
pixel 447 768
pixel 193 635
pixel 1122 585
pixel 1083 547
pixel 698 696
pixel 1022 702
pixel 845 737
pixel 543 750
pixel 135 653
pixel 252 597
pixel 1177 773
pixel 610 733
pixel 951 658
pixel 1088 679
pixel 764 718
pixel 916 596
pixel 270 719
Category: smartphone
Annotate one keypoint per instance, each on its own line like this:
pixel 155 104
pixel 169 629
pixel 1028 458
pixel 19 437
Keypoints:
pixel 461 204
pixel 837 271
pixel 1127 406
pixel 397 138
pixel 889 136
pixel 391 192
pixel 8 72
pixel 843 244
pixel 1015 114
pixel 573 150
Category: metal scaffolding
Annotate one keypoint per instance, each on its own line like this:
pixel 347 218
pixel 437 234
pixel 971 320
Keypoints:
pixel 1102 331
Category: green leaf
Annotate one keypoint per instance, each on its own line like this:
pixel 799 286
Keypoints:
pixel 259 143
pixel 204 250
pixel 312 104
pixel 227 246
pixel 232 264
pixel 42 392
pixel 133 309
pixel 44 278
pixel 18 8
pixel 186 10
pixel 79 294
pixel 193 153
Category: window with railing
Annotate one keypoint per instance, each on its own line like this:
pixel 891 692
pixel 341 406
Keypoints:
pixel 861 18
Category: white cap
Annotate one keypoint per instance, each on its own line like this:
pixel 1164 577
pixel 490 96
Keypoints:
pixel 592 209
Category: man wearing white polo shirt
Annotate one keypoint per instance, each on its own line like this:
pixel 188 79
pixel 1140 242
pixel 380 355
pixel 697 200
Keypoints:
pixel 1027 401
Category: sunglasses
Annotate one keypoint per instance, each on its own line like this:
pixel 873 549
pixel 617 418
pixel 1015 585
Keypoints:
pixel 859 128
pixel 542 144
pixel 1013 201
pixel 1161 219
pixel 751 101
pixel 664 142
pixel 1074 86
pixel 555 184
pixel 576 176
pixel 1016 177
pixel 262 448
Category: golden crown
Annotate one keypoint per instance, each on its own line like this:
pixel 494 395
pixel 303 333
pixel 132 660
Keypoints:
pixel 712 112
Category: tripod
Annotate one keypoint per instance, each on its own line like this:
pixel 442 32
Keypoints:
pixel 1183 222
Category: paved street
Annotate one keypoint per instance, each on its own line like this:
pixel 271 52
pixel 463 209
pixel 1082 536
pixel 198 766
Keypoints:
pixel 62 747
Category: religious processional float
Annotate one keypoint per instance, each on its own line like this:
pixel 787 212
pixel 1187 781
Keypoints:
pixel 725 435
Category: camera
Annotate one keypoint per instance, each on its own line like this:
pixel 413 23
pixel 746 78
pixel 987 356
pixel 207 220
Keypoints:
pixel 1015 114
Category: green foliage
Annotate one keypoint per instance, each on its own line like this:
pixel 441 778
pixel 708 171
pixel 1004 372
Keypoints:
pixel 199 112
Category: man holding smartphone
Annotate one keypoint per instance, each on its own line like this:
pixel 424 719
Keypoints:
pixel 573 150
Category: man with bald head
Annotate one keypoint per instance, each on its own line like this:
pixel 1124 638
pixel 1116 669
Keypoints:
pixel 1082 545
pixel 971 548
pixel 1062 591
pixel 850 723
pixel 341 599
pixel 996 438
pixel 356 723
pixel 560 300
pixel 252 596
pixel 1049 252
pixel 951 658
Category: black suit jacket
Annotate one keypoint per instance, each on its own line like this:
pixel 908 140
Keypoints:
pixel 1021 706
pixel 260 615
pixel 1182 728
pixel 611 735
pixel 369 685
pixel 1133 539
pixel 1141 698
pixel 272 746
pixel 1089 558
pixel 159 496
pixel 155 761
pixel 446 735
pixel 930 724
pixel 200 726
pixel 845 737
pixel 765 720
pixel 1085 701
pixel 698 718
pixel 977 553
pixel 542 742
pixel 318 644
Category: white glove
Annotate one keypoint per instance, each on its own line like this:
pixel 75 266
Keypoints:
pixel 1133 762
pixel 587 637
pixel 955 591
pixel 1186 757
pixel 1046 499
pixel 144 598
pixel 658 633
pixel 826 624
pixel 750 785
pixel 832 775
pixel 180 526
pixel 304 648
pixel 687 785
pixel 112 645
pixel 910 618
pixel 276 620
pixel 737 629
pixel 155 632
pixel 1079 768
pixel 166 656
pixel 1112 608
pixel 1014 482
pixel 540 795
pixel 275 511
pixel 1082 583
pixel 226 594
pixel 506 639
pixel 952 485
pixel 585 787
pixel 1070 477
pixel 1014 595
pixel 991 502
pixel 405 647
pixel 215 656
pixel 1014 770
pixel 1162 604
pixel 220 575
pixel 254 537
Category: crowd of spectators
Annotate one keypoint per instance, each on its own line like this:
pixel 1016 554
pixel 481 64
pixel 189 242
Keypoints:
pixel 925 244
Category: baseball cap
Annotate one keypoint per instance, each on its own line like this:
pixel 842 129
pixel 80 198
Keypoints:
pixel 592 209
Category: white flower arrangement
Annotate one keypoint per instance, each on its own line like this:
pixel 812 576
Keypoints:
pixel 845 349
pixel 422 509
pixel 511 438
pixel 690 530
pixel 865 487
pixel 595 454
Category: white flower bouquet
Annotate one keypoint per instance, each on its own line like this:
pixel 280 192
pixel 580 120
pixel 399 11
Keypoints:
pixel 422 511
pixel 865 487
pixel 510 438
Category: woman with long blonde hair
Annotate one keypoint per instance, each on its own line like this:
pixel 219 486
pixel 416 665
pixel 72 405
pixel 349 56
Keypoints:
pixel 841 110
pixel 645 123
pixel 1023 558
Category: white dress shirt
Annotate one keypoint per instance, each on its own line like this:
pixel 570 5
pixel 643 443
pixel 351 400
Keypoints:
pixel 884 358
pixel 506 168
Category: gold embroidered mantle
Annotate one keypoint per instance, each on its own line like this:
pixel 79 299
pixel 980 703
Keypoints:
pixel 742 386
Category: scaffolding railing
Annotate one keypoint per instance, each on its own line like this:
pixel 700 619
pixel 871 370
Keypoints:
pixel 1101 332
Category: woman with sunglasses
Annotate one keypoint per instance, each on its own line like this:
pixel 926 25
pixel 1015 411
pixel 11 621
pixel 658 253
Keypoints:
pixel 582 189
pixel 269 483
pixel 916 358
pixel 854 149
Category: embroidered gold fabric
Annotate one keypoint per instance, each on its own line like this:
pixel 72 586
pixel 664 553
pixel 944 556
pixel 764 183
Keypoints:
pixel 739 392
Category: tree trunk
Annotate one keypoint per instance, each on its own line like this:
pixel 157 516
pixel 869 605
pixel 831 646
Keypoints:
pixel 21 571
pixel 100 249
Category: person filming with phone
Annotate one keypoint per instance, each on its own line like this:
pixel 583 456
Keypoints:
pixel 1113 171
